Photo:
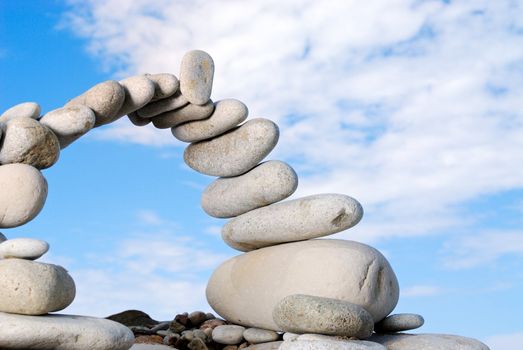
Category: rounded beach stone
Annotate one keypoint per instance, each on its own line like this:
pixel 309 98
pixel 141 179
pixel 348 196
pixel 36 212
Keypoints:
pixel 63 332
pixel 329 268
pixel 399 323
pixel 105 99
pixel 23 248
pixel 33 288
pixel 331 345
pixel 290 336
pixel 150 347
pixel 267 183
pixel 300 313
pixel 24 191
pixel 228 334
pixel 235 152
pixel 227 114
pixel 164 105
pixel 181 115
pixel 165 85
pixel 22 110
pixel 139 90
pixel 69 123
pixel 137 120
pixel 196 75
pixel 27 141
pixel 258 335
pixel 197 318
pixel 273 345
pixel 294 220
pixel 405 341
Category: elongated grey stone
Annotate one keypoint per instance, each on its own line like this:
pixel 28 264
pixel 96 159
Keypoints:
pixel 196 75
pixel 139 90
pixel 69 123
pixel 295 220
pixel 273 345
pixel 265 184
pixel 228 334
pixel 23 248
pixel 300 313
pixel 405 341
pixel 399 323
pixel 258 335
pixel 105 99
pixel 165 85
pixel 168 104
pixel 181 115
pixel 234 152
pixel 227 114
pixel 137 120
pixel 22 110
pixel 331 345
pixel 27 141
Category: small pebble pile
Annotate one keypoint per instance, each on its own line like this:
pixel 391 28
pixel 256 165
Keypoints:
pixel 287 290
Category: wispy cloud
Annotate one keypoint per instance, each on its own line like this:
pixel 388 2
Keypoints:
pixel 505 341
pixel 422 291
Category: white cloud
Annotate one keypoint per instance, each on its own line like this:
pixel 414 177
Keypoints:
pixel 413 108
pixel 505 341
pixel 421 291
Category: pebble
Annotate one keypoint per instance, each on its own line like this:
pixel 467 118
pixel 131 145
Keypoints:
pixel 197 318
pixel 2 237
pixel 133 318
pixel 23 248
pixel 165 105
pixel 69 123
pixel 137 120
pixel 258 335
pixel 105 99
pixel 33 288
pixel 139 90
pixel 27 141
pixel 344 270
pixel 399 323
pixel 24 191
pixel 22 110
pixel 165 85
pixel 63 332
pixel 405 341
pixel 228 334
pixel 181 115
pixel 273 345
pixel 150 347
pixel 311 314
pixel 294 220
pixel 227 114
pixel 196 75
pixel 235 152
pixel 265 184
pixel 331 345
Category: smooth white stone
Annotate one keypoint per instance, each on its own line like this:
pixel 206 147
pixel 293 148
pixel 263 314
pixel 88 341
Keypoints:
pixel 168 104
pixel 245 289
pixel 105 99
pixel 399 323
pixel 165 85
pixel 23 194
pixel 22 110
pixel 331 345
pixel 228 334
pixel 27 141
pixel 63 332
pixel 258 335
pixel 295 220
pixel 196 76
pixel 265 184
pixel 69 123
pixel 235 152
pixel 181 115
pixel 227 114
pixel 33 288
pixel 139 90
pixel 290 336
pixel 403 341
pixel 23 248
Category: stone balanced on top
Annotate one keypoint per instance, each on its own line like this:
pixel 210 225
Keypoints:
pixel 314 290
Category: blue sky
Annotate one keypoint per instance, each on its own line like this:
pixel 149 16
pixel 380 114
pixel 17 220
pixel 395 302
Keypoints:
pixel 414 108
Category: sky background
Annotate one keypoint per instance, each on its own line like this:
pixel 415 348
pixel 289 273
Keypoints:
pixel 415 108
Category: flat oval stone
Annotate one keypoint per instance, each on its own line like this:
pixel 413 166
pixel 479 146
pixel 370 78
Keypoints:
pixel 168 104
pixel 22 110
pixel 258 335
pixel 227 114
pixel 196 75
pixel 295 220
pixel 235 152
pixel 63 332
pixel 33 288
pixel 139 90
pixel 181 115
pixel 23 248
pixel 27 141
pixel 300 313
pixel 265 184
pixel 165 85
pixel 24 191
pixel 273 345
pixel 137 120
pixel 405 341
pixel 228 334
pixel 328 268
pixel 69 123
pixel 105 99
pixel 331 345
pixel 399 323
